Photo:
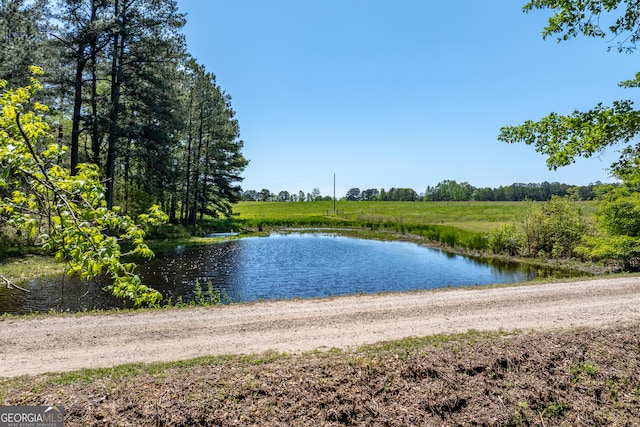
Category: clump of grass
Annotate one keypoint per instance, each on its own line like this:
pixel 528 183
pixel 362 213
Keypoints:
pixel 580 370
pixel 201 298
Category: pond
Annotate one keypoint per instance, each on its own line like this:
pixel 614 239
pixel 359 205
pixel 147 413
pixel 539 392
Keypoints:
pixel 281 266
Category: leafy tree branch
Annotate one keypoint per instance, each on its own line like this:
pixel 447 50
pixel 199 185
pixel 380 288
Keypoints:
pixel 582 134
pixel 66 213
pixel 563 138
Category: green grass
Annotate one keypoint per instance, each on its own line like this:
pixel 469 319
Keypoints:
pixel 410 344
pixel 469 216
pixel 453 224
pixel 23 268
pixel 461 224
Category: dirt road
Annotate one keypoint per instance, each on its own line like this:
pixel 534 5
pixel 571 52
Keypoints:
pixel 65 343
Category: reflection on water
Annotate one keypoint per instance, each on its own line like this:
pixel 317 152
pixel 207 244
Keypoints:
pixel 277 267
pixel 62 293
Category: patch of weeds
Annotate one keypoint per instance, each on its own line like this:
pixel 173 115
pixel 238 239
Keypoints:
pixel 519 420
pixel 86 377
pixel 554 410
pixel 412 344
pixel 20 270
pixel 364 362
pixel 404 345
pixel 262 359
pixel 230 359
pixel 579 370
pixel 321 353
pixel 160 368
pixel 9 386
pixel 89 376
pixel 5 316
pixel 615 386
pixel 201 298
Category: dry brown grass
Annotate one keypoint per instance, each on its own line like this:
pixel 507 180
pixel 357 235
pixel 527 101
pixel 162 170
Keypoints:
pixel 584 377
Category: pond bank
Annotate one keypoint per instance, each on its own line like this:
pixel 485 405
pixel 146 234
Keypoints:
pixel 34 266
pixel 280 266
pixel 575 265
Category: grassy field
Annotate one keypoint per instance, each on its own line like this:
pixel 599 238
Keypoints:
pixel 462 224
pixel 479 217
pixel 453 224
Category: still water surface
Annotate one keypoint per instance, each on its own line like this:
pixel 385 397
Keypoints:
pixel 280 266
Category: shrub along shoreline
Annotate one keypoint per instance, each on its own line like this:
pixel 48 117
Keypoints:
pixel 463 228
pixel 468 228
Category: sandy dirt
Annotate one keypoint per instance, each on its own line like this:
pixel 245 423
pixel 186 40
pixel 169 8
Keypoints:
pixel 65 343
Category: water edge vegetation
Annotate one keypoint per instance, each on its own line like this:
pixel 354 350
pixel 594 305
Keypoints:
pixel 461 227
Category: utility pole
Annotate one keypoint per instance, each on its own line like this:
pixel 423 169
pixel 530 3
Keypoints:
pixel 334 194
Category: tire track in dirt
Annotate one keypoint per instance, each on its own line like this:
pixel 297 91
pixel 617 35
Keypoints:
pixel 65 343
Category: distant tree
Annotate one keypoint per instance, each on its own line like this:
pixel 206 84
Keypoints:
pixel 586 192
pixel 265 195
pixel 23 39
pixel 370 194
pixel 428 193
pixel 450 190
pixel 283 196
pixel 499 194
pixel 353 194
pixel 482 194
pixel 301 196
pixel 315 194
pixel 402 194
pixel 251 196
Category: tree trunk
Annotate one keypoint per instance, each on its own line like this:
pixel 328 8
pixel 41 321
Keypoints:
pixel 95 136
pixel 116 72
pixel 205 184
pixel 194 210
pixel 77 107
pixel 185 206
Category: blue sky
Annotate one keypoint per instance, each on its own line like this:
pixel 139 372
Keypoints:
pixel 397 94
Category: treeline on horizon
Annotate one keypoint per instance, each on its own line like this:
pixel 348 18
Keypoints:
pixel 445 191
pixel 124 93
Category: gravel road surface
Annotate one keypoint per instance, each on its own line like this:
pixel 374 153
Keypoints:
pixel 69 342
